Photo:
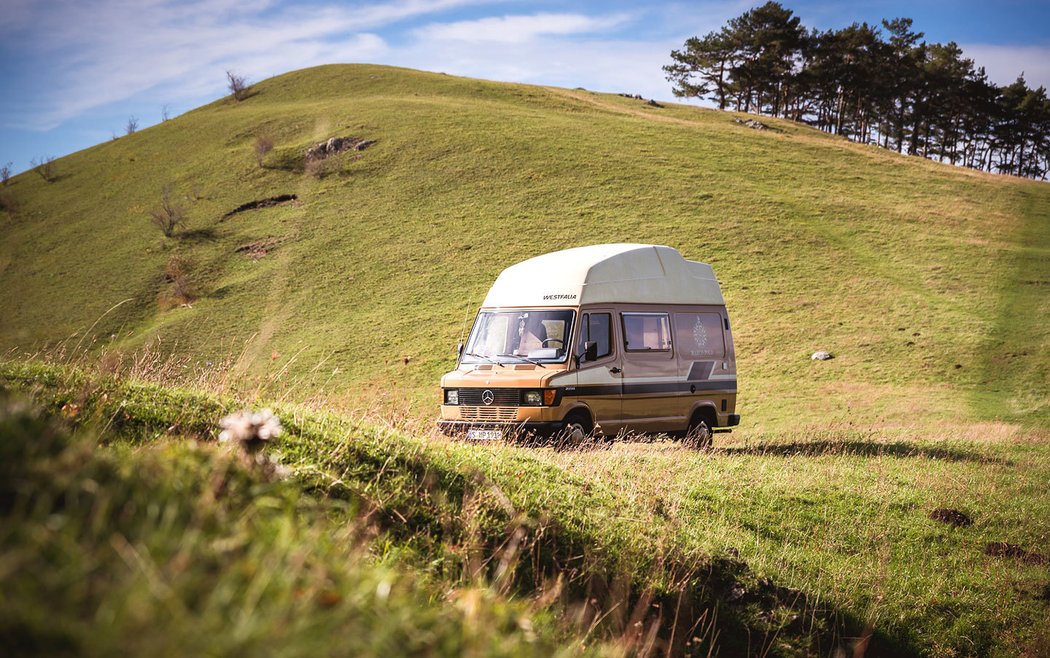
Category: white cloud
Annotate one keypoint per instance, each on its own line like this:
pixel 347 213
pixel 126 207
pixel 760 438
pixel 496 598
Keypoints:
pixel 1004 63
pixel 543 49
pixel 598 64
pixel 101 52
pixel 517 29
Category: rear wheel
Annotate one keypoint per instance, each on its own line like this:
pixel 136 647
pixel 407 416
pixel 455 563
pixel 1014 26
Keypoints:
pixel 698 436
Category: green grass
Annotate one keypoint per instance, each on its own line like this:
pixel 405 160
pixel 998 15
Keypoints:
pixel 178 548
pixel 808 523
pixel 790 544
pixel 926 281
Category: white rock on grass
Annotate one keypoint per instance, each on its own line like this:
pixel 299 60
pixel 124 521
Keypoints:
pixel 821 356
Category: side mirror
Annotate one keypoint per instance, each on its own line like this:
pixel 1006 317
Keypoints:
pixel 590 353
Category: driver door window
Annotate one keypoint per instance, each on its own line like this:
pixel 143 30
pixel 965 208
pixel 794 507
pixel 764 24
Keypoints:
pixel 597 327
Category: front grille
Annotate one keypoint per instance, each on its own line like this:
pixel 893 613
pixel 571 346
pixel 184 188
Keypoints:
pixel 503 414
pixel 501 397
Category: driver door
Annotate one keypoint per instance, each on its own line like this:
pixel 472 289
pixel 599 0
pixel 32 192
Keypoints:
pixel 600 382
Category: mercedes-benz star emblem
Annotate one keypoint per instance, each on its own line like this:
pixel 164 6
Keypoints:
pixel 487 397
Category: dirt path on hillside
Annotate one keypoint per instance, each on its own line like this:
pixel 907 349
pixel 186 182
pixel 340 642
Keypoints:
pixel 596 101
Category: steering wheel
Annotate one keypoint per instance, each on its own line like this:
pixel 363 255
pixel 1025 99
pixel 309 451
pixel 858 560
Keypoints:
pixel 552 340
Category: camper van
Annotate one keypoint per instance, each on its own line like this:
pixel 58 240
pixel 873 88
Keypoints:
pixel 606 339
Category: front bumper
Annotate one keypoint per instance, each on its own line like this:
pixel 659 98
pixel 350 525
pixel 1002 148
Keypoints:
pixel 539 428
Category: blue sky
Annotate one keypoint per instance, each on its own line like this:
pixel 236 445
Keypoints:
pixel 73 71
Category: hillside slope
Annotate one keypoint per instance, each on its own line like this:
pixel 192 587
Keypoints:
pixel 927 282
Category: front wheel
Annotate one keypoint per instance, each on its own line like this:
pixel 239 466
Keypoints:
pixel 699 435
pixel 577 428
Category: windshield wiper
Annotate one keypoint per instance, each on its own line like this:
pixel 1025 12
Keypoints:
pixel 526 359
pixel 487 358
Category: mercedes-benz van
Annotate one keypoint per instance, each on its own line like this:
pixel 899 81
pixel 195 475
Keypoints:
pixel 610 339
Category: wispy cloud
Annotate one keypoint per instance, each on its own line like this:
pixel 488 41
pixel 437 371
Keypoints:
pixel 1004 63
pixel 518 29
pixel 96 53
pixel 598 64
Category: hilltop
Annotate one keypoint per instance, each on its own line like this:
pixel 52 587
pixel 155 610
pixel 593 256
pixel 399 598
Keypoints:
pixel 927 282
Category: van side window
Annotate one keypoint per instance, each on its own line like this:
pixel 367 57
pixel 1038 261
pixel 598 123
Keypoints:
pixel 646 332
pixel 699 335
pixel 597 327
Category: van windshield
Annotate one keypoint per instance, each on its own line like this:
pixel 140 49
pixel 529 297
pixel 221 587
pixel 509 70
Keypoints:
pixel 533 335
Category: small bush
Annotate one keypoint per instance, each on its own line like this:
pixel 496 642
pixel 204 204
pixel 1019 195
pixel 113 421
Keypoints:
pixel 177 273
pixel 5 174
pixel 45 168
pixel 263 145
pixel 318 168
pixel 169 216
pixel 238 85
pixel 132 126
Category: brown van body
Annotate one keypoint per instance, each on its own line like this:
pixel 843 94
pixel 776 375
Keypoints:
pixel 662 367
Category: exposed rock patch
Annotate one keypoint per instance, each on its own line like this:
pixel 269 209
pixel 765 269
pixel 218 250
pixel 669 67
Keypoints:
pixel 638 97
pixel 261 203
pixel 335 146
pixel 752 123
pixel 821 356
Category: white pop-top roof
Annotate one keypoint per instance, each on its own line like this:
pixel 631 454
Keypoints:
pixel 605 274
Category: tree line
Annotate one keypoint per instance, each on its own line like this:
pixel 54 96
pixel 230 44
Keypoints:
pixel 882 85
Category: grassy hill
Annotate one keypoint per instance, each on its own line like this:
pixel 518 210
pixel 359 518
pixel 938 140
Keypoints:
pixel 926 281
pixel 810 522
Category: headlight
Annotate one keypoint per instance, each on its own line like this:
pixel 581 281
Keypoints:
pixel 532 398
pixel 451 396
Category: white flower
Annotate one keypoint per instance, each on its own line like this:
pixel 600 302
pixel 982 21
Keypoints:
pixel 250 428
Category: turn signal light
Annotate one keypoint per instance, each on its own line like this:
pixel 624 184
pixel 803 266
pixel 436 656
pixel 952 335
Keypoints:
pixel 548 397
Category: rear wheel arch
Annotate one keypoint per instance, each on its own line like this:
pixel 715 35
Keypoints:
pixel 699 431
pixel 703 411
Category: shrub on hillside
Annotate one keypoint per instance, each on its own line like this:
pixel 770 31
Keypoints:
pixel 5 173
pixel 178 273
pixel 132 126
pixel 263 145
pixel 45 168
pixel 238 85
pixel 318 168
pixel 169 216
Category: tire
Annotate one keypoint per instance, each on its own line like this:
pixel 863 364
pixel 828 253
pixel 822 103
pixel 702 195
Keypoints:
pixel 578 428
pixel 698 436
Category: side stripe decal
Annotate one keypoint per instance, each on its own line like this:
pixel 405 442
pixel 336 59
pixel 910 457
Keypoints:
pixel 660 387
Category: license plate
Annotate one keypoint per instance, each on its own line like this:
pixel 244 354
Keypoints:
pixel 484 435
